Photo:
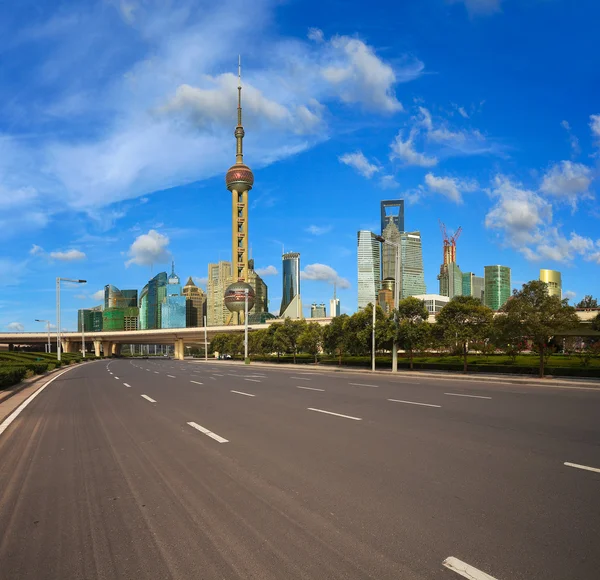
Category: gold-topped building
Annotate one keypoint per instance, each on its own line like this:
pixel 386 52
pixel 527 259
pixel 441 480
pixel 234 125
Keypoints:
pixel 554 281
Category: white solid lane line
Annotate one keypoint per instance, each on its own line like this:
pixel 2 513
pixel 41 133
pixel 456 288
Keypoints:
pixel 6 423
pixel 465 570
pixel 240 393
pixel 335 414
pixel 470 396
pixel 310 389
pixel 196 383
pixel 171 376
pixel 253 380
pixel 148 398
pixel 207 432
pixel 585 467
pixel 127 385
pixel 363 385
pixel 300 378
pixel 414 403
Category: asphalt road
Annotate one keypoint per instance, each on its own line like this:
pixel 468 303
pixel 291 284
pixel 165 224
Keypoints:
pixel 168 469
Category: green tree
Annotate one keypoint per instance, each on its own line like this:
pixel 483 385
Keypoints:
pixel 292 330
pixel 409 326
pixel 335 338
pixel 235 344
pixel 359 328
pixel 311 340
pixel 279 340
pixel 218 343
pixel 258 342
pixel 588 301
pixel 463 320
pixel 507 337
pixel 537 316
pixel 596 322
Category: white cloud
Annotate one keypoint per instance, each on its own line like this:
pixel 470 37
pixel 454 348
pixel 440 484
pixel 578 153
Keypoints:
pixel 405 152
pixel 149 249
pixel 323 273
pixel 201 280
pixel 480 7
pixel 573 141
pixel 595 126
pixel 518 212
pixel 524 219
pixel 98 295
pixel 36 250
pixel 388 182
pixel 569 294
pixel 318 230
pixel 360 76
pixel 358 161
pixel 567 181
pixel 463 113
pixel 316 35
pixel 68 256
pixel 450 187
pixel 15 326
pixel 268 271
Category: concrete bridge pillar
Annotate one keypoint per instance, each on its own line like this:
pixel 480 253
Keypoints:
pixel 179 349
pixel 116 349
pixel 97 345
pixel 106 348
pixel 69 346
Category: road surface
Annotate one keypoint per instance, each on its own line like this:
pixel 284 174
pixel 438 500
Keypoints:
pixel 153 469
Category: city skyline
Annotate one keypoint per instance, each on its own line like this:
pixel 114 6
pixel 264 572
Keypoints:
pixel 465 156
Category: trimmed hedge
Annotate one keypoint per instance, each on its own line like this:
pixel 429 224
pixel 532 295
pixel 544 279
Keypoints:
pixel 10 376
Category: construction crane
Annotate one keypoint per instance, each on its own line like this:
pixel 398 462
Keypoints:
pixel 449 243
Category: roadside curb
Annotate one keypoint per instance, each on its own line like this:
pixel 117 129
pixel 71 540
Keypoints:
pixel 442 375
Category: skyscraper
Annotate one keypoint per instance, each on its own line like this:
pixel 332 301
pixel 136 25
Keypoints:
pixel 173 306
pixel 473 285
pixel 450 276
pixel 151 298
pixel 395 216
pixel 412 275
pixel 120 309
pixel 90 318
pixel 219 278
pixel 369 268
pixel 291 302
pixel 497 286
pixel 553 280
pixel 239 181
pixel 334 304
pixel 195 304
pixel 317 310
pixel 258 313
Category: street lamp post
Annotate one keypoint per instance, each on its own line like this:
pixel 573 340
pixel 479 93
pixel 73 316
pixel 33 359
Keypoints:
pixel 205 341
pixel 373 338
pixel 397 281
pixel 58 281
pixel 48 329
pixel 246 361
pixel 82 335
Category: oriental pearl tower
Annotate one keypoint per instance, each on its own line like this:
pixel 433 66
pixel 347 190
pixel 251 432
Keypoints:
pixel 239 180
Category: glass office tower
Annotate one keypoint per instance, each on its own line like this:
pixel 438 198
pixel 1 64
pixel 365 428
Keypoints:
pixel 369 268
pixel 291 280
pixel 554 281
pixel 497 286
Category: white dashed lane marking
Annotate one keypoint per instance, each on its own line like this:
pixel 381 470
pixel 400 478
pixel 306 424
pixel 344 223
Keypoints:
pixel 335 414
pixel 148 398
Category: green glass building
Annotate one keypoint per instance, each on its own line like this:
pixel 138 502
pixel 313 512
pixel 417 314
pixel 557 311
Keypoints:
pixel 473 286
pixel 497 286
pixel 91 319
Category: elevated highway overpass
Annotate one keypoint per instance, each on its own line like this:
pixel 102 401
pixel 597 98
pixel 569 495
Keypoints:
pixel 109 342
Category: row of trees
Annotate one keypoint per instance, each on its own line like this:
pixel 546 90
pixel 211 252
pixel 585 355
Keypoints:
pixel 531 317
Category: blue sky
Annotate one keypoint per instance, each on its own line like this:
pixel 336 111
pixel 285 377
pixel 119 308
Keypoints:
pixel 116 130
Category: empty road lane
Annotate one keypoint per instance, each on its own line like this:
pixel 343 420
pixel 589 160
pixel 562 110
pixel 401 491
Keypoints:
pixel 171 469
